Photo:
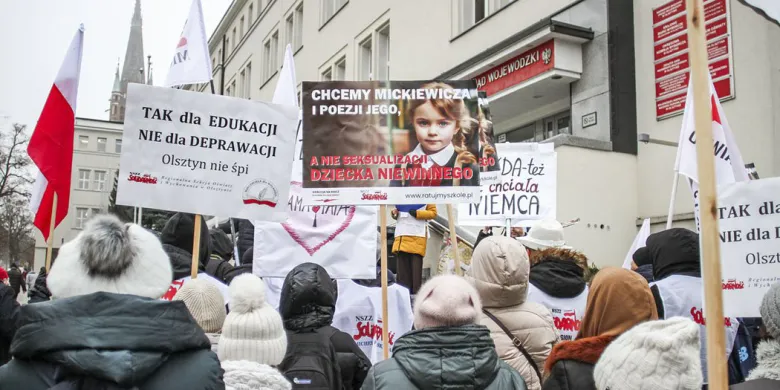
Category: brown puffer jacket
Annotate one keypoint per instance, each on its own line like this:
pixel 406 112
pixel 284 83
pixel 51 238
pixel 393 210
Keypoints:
pixel 499 271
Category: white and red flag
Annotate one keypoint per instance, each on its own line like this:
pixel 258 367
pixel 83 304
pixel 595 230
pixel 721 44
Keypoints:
pixel 51 144
pixel 191 63
pixel 729 166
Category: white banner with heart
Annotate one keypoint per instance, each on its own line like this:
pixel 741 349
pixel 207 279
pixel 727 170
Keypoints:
pixel 342 239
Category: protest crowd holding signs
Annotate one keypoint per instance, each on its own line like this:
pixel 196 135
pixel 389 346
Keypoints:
pixel 280 253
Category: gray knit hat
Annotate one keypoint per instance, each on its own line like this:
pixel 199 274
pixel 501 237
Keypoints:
pixel 253 330
pixel 770 311
pixel 654 355
pixel 205 302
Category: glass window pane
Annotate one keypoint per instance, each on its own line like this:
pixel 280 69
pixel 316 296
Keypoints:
pixel 118 146
pixel 83 142
pixel 101 144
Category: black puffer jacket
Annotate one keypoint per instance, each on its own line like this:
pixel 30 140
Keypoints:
pixel 105 341
pixel 16 279
pixel 246 233
pixel 308 301
pixel 176 238
pixel 40 291
pixel 9 311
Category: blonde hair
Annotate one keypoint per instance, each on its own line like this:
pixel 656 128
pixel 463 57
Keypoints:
pixel 454 109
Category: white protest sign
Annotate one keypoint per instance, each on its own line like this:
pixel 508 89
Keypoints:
pixel 527 189
pixel 340 238
pixel 749 213
pixel 205 154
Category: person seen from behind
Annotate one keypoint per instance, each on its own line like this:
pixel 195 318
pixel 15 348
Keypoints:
pixel 16 280
pixel 9 312
pixel 253 341
pixel 448 349
pixel 307 306
pixel 618 300
pixel 520 329
pixel 409 245
pixel 655 355
pixel 39 292
pixel 108 327
pixel 557 278
pixel 767 374
pixel 643 263
pixel 221 254
pixel 207 306
pixel 29 279
pixel 177 241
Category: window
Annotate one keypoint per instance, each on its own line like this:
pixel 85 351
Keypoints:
pixel 271 53
pixel 383 53
pixel 251 13
pixel 227 46
pixel 289 30
pixel 118 146
pixel 340 70
pixel 82 214
pixel 470 12
pixel 247 81
pixel 227 91
pixel 241 25
pixel 329 8
pixel 374 55
pixel 233 88
pixel 235 42
pixel 326 75
pixel 96 212
pixel 298 34
pixel 243 83
pixel 100 181
pixel 84 179
pixel 523 134
pixel 101 144
pixel 219 55
pixel 366 53
pixel 83 142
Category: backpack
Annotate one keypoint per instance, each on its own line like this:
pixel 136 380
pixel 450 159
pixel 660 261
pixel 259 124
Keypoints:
pixel 311 362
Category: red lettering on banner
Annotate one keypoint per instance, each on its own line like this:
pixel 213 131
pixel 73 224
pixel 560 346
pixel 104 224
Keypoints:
pixel 172 290
pixel 698 317
pixel 518 69
pixel 372 331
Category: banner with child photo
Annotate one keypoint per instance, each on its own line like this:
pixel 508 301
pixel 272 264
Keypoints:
pixel 394 142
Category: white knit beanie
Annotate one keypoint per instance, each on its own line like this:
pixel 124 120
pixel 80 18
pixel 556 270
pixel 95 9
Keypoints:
pixel 205 302
pixel 253 330
pixel 662 355
pixel 446 300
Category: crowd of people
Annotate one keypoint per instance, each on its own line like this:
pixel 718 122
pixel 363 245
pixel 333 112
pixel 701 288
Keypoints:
pixel 528 314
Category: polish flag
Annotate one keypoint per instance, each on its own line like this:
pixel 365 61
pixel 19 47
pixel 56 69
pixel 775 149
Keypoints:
pixel 729 165
pixel 51 144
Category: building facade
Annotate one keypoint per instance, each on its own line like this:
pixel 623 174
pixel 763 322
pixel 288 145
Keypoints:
pixel 96 150
pixel 577 73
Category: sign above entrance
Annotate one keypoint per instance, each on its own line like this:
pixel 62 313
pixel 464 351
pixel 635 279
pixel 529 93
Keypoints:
pixel 518 69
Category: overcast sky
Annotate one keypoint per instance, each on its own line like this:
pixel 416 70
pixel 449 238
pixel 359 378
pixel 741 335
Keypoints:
pixel 36 33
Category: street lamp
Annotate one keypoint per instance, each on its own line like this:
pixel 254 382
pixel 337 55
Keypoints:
pixel 645 139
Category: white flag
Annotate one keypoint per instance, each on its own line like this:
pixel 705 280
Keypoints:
pixel 191 63
pixel 729 165
pixel 639 241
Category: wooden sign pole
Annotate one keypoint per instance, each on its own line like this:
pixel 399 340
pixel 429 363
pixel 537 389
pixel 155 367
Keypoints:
pixel 454 239
pixel 383 276
pixel 705 160
pixel 196 247
pixel 50 244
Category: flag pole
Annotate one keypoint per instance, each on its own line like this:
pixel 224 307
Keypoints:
pixel 383 281
pixel 454 239
pixel 196 247
pixel 50 244
pixel 670 214
pixel 705 160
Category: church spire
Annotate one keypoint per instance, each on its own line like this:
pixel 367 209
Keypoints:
pixel 133 67
pixel 117 84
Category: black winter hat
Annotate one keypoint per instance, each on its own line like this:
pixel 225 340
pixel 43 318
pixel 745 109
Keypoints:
pixel 642 257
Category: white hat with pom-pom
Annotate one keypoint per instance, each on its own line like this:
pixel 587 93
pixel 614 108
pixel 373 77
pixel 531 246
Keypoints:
pixel 253 330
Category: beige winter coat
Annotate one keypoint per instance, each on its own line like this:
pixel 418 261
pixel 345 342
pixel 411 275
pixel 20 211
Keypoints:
pixel 499 271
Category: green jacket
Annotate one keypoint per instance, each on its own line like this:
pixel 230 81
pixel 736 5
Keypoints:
pixel 445 358
pixel 106 341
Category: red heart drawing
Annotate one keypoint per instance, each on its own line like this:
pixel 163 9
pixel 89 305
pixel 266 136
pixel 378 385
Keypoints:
pixel 299 224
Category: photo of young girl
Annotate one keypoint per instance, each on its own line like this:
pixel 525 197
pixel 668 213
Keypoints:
pixel 487 146
pixel 444 131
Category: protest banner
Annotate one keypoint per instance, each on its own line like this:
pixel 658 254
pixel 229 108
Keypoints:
pixel 205 154
pixel 526 188
pixel 749 215
pixel 340 238
pixel 177 284
pixel 393 142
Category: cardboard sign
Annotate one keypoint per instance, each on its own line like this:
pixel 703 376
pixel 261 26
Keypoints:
pixel 526 189
pixel 205 154
pixel 749 213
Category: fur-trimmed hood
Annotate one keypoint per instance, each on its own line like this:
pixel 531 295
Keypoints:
pixel 587 350
pixel 559 272
pixel 551 254
pixel 768 356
